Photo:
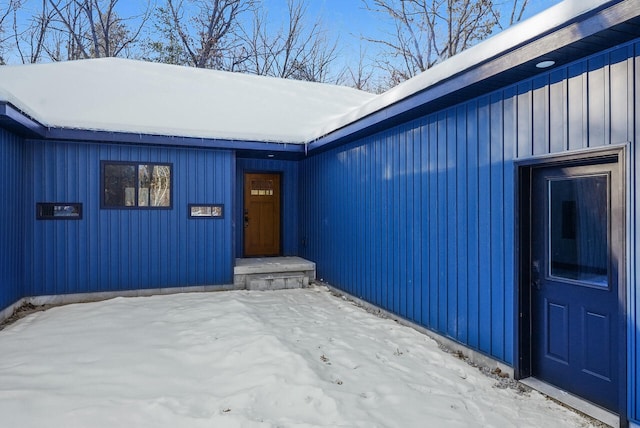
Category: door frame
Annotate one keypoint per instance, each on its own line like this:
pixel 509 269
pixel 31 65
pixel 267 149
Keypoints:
pixel 242 201
pixel 524 170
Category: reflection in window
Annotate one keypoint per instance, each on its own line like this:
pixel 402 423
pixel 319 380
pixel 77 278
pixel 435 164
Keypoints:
pixel 58 211
pixel 261 187
pixel 579 225
pixel 206 211
pixel 136 185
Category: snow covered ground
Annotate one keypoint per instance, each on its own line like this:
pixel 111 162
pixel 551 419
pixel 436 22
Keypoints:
pixel 295 358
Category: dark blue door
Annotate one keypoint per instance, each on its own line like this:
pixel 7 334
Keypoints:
pixel 576 238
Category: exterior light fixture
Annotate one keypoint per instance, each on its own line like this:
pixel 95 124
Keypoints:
pixel 545 64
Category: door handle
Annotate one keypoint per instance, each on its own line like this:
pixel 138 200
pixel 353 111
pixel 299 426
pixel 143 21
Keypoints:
pixel 535 274
pixel 246 218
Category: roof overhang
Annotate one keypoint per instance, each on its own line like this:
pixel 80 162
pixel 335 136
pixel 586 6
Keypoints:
pixel 88 136
pixel 17 122
pixel 611 24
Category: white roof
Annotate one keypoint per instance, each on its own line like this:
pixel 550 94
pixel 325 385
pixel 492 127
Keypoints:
pixel 119 95
pixel 111 94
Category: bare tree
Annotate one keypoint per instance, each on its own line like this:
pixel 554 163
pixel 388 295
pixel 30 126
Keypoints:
pixel 11 7
pixel 30 40
pixel 298 49
pixel 517 11
pixel 67 31
pixel 429 31
pixel 90 29
pixel 362 75
pixel 165 45
pixel 206 30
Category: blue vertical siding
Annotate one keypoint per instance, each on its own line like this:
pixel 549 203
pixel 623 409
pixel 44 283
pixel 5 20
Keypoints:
pixel 461 297
pixel 472 217
pixel 484 224
pixel 11 218
pixel 432 201
pixel 510 132
pixel 499 244
pixel 432 209
pixel 628 94
pixel 111 250
pixel 290 182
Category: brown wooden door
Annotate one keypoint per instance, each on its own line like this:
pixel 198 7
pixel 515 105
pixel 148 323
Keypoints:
pixel 261 214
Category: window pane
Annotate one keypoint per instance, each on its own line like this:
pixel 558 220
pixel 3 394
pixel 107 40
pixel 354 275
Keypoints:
pixel 579 222
pixel 58 211
pixel 262 188
pixel 198 211
pixel 161 186
pixel 144 183
pixel 136 185
pixel 119 185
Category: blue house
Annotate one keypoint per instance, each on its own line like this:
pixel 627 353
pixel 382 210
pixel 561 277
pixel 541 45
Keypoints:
pixel 491 200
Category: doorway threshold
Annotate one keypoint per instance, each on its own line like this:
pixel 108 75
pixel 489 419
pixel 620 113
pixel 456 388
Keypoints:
pixel 570 400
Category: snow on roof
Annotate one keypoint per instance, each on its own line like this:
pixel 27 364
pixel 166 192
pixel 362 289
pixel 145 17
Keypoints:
pixel 517 35
pixel 121 95
pixel 111 94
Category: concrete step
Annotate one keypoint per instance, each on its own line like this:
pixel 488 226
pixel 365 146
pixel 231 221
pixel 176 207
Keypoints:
pixel 273 273
pixel 277 281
